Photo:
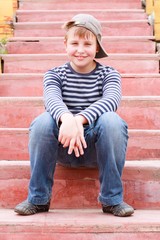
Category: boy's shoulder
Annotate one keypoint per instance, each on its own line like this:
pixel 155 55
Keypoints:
pixel 105 69
pixel 58 70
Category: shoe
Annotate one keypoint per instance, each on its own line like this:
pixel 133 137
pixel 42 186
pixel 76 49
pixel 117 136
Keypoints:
pixel 120 210
pixel 26 208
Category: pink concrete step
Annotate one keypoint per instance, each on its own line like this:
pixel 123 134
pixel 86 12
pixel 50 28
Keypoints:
pixel 40 63
pixel 59 15
pixel 139 112
pixel 80 225
pixel 140 180
pixel 109 28
pixel 31 84
pixel 62 4
pixel 143 144
pixel 33 45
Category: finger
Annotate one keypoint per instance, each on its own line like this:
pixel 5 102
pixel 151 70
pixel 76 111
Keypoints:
pixel 59 138
pixel 62 140
pixel 76 151
pixel 79 146
pixel 83 141
pixel 66 144
pixel 71 146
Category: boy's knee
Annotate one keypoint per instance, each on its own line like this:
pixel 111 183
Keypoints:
pixel 110 118
pixel 43 125
pixel 112 121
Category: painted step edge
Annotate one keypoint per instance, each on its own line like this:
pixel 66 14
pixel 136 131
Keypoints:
pixel 8 100
pixel 79 221
pixel 61 56
pixel 106 38
pixel 140 170
pixel 84 10
pixel 19 25
pixel 20 76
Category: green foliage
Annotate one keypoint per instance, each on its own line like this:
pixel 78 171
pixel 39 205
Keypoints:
pixel 3 43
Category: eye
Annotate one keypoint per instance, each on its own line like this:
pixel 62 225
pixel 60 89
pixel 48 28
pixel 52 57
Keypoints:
pixel 88 43
pixel 74 43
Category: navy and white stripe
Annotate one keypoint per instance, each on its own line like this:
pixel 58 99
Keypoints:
pixel 90 95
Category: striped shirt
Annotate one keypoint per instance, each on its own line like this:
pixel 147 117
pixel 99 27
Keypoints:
pixel 90 95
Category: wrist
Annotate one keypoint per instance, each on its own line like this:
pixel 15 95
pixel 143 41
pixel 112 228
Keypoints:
pixel 65 116
pixel 81 119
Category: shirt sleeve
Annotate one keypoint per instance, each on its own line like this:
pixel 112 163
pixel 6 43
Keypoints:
pixel 53 95
pixel 110 100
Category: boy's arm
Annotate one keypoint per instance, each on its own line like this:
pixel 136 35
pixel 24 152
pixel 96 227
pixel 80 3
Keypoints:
pixel 53 95
pixel 111 97
pixel 69 134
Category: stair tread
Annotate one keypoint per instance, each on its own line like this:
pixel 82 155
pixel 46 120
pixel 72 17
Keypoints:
pixel 125 10
pixel 40 98
pixel 81 220
pixel 146 170
pixel 137 56
pixel 124 75
pixel 133 131
pixel 107 38
pixel 103 22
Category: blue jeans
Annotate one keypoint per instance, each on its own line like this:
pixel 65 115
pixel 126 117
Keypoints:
pixel 106 149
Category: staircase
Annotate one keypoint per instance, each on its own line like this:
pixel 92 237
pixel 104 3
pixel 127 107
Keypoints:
pixel 37 46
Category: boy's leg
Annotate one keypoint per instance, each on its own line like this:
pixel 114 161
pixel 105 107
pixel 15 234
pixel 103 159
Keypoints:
pixel 110 136
pixel 111 145
pixel 43 148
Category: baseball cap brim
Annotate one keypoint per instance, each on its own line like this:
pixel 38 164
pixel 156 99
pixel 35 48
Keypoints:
pixel 101 53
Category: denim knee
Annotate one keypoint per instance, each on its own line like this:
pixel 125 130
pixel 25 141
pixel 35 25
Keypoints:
pixel 111 120
pixel 43 126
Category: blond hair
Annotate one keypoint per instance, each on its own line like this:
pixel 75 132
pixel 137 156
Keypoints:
pixel 78 31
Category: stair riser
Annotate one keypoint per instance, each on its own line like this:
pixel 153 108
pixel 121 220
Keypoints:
pixel 33 86
pixel 73 193
pixel 84 5
pixel 140 190
pixel 141 145
pixel 75 236
pixel 139 114
pixel 66 15
pixel 57 46
pixel 27 65
pixel 108 29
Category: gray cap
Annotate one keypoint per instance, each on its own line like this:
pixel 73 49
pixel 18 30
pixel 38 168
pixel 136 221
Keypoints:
pixel 92 24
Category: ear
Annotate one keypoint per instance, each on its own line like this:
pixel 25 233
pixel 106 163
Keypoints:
pixel 97 49
pixel 65 42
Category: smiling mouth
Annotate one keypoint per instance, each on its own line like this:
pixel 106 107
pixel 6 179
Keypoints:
pixel 80 57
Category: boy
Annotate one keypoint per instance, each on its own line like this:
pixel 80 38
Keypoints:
pixel 80 126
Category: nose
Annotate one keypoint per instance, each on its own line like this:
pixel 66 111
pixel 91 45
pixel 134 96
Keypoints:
pixel 80 48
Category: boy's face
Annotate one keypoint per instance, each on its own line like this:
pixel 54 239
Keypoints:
pixel 81 51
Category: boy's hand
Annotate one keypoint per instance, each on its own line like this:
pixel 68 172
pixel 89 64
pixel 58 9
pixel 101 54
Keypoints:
pixel 71 134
